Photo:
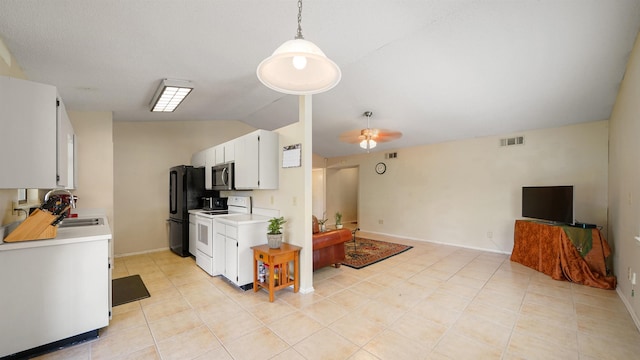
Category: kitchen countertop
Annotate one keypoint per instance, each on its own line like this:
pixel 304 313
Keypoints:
pixel 236 219
pixel 70 234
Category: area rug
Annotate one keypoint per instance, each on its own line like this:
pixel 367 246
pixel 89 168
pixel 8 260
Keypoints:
pixel 366 252
pixel 128 289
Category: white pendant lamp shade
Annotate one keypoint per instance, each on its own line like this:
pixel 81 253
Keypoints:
pixel 299 67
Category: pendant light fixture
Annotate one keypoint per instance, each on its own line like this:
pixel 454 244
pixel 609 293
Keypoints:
pixel 299 67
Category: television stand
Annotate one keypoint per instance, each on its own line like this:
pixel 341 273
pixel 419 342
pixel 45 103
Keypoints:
pixel 548 249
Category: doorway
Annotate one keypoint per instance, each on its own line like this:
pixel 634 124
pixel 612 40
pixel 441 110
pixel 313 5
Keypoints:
pixel 342 195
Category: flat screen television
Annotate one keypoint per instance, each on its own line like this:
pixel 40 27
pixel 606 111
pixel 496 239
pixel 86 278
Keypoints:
pixel 550 203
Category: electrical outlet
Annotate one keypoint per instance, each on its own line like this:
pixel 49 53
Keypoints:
pixel 489 234
pixel 633 279
pixel 14 206
pixel 295 200
pixel 271 199
pixel 380 221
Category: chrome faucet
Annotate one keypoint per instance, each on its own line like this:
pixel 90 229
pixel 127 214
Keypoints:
pixel 72 200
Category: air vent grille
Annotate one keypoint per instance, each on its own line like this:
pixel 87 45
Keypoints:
pixel 392 155
pixel 518 140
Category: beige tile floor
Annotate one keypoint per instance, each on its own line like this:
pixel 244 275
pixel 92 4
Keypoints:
pixel 432 302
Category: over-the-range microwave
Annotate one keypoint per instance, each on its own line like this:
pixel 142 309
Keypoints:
pixel 222 177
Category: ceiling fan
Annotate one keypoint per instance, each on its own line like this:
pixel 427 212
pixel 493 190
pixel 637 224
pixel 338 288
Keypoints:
pixel 368 138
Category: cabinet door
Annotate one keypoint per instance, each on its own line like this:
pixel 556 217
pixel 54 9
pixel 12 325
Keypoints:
pixel 193 234
pixel 219 253
pixel 210 161
pixel 231 264
pixel 229 151
pixel 246 164
pixel 64 149
pixel 219 151
pixel 28 135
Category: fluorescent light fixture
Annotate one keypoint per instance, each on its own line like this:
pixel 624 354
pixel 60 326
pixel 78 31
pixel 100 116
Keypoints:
pixel 170 94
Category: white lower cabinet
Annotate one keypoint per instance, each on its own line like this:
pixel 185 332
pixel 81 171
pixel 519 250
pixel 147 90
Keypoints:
pixel 193 234
pixel 238 237
pixel 53 292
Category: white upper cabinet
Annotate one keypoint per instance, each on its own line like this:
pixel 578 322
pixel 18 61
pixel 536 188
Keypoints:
pixel 210 160
pixel 229 150
pixel 33 143
pixel 65 148
pixel 199 159
pixel 256 161
pixel 225 152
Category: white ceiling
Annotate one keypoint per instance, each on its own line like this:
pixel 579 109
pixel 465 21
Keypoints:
pixel 435 70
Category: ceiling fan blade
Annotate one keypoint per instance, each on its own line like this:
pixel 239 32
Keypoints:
pixel 384 135
pixel 352 137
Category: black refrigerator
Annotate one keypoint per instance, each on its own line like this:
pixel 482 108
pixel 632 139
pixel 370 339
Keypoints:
pixel 186 190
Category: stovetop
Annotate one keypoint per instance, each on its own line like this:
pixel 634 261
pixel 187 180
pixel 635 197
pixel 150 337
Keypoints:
pixel 214 212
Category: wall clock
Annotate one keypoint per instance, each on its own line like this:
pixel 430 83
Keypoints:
pixel 381 168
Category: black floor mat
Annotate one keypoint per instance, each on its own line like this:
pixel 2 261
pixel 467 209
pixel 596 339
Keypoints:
pixel 128 289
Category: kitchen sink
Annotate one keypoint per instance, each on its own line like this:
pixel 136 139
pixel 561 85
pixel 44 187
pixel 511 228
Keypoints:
pixel 76 222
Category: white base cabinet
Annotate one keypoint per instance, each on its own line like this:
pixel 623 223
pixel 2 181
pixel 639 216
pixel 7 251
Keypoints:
pixel 238 238
pixel 193 234
pixel 52 293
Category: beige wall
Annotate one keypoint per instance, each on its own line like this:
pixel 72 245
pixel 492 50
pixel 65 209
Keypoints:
pixel 342 194
pixel 468 192
pixel 94 141
pixel 624 183
pixel 143 154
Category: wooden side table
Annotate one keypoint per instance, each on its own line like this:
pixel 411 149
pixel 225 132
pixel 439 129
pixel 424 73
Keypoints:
pixel 278 262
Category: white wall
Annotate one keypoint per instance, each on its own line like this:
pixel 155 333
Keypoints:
pixel 318 193
pixel 468 192
pixel 624 183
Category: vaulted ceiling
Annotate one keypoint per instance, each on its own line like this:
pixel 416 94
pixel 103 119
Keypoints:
pixel 436 70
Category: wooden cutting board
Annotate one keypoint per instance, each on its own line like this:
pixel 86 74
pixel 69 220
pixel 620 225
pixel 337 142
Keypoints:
pixel 36 227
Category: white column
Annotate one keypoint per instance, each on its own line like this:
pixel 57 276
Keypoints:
pixel 306 255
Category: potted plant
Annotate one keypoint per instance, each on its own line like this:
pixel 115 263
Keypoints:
pixel 338 220
pixel 274 235
pixel 322 223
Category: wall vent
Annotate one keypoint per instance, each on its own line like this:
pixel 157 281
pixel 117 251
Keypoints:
pixel 518 140
pixel 392 155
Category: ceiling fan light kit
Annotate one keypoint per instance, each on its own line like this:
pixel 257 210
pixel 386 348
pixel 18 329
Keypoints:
pixel 369 138
pixel 299 67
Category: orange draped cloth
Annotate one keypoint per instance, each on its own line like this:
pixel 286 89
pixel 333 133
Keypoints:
pixel 548 249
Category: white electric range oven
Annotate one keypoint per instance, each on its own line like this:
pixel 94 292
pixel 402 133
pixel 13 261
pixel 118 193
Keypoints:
pixel 210 254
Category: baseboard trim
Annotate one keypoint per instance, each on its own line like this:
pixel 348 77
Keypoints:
pixel 141 252
pixel 626 303
pixel 437 242
pixel 308 290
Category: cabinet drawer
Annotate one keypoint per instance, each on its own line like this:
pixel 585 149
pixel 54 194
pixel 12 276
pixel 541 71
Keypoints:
pixel 231 231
